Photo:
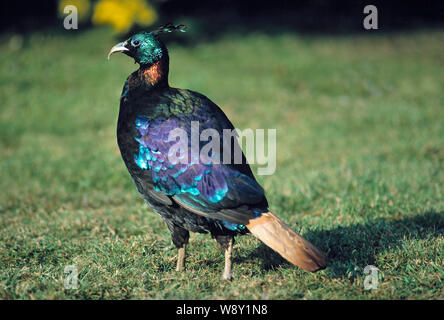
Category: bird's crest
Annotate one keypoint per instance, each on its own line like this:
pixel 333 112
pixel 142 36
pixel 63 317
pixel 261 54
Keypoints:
pixel 169 27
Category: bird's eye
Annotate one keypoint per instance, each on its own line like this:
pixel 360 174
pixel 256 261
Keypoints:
pixel 135 43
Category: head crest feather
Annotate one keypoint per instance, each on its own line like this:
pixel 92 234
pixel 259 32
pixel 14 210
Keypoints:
pixel 169 27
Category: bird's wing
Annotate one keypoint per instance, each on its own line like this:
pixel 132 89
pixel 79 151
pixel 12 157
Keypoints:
pixel 227 192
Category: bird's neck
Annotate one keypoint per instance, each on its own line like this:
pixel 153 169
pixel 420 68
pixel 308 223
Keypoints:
pixel 153 76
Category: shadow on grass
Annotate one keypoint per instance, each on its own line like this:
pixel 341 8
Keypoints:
pixel 357 245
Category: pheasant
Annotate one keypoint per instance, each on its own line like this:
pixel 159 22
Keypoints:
pixel 193 194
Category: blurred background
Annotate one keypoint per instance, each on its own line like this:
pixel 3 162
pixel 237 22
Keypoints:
pixel 360 146
pixel 210 18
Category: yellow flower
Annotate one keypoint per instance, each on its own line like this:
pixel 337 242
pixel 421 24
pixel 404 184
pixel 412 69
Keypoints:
pixel 83 8
pixel 123 14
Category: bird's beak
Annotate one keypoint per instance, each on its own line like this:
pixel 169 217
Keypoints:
pixel 120 47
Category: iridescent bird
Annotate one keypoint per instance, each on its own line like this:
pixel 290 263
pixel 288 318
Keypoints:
pixel 197 195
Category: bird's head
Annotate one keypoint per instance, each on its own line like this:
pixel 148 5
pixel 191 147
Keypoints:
pixel 145 47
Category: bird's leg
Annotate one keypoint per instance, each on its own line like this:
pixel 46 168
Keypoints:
pixel 181 253
pixel 180 238
pixel 226 242
pixel 228 275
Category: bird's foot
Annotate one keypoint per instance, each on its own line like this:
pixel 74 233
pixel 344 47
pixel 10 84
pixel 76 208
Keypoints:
pixel 227 275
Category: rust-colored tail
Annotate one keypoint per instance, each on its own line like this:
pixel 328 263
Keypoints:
pixel 277 235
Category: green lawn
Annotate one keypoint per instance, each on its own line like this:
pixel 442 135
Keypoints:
pixel 360 167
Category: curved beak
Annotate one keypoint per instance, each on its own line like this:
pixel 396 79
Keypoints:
pixel 120 47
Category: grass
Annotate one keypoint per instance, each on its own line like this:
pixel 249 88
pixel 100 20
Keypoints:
pixel 360 155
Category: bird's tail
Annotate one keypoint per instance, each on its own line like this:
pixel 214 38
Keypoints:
pixel 277 235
